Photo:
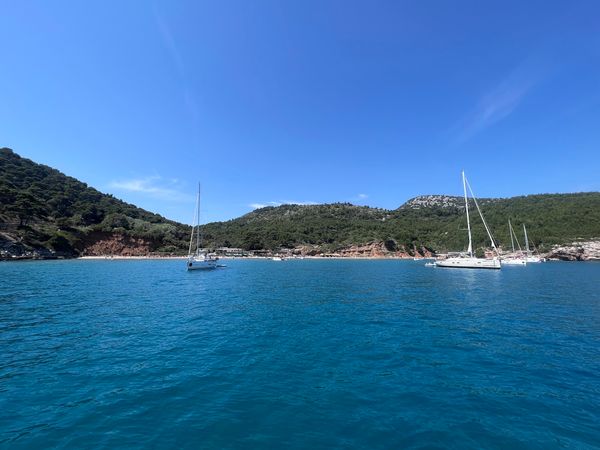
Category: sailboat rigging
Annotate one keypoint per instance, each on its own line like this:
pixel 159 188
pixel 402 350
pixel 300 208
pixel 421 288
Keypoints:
pixel 199 259
pixel 470 261
pixel 513 259
pixel 531 258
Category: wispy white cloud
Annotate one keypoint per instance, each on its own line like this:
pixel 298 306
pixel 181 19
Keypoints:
pixel 362 196
pixel 170 44
pixel 154 186
pixel 498 103
pixel 168 40
pixel 259 205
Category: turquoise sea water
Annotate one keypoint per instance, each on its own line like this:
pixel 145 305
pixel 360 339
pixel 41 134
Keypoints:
pixel 298 354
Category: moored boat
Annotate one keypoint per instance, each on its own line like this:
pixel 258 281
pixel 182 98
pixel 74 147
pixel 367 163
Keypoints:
pixel 514 259
pixel 469 261
pixel 202 261
pixel 199 259
pixel 531 258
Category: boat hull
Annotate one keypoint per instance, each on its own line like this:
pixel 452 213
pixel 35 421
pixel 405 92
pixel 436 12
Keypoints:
pixel 534 259
pixel 206 264
pixel 469 263
pixel 514 262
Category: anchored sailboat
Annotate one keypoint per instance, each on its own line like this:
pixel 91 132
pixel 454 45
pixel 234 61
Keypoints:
pixel 513 259
pixel 531 258
pixel 470 261
pixel 199 259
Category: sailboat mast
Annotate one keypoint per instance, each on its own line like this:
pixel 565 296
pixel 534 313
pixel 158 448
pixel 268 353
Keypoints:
pixel 526 240
pixel 194 223
pixel 482 218
pixel 510 230
pixel 198 222
pixel 470 249
pixel 517 241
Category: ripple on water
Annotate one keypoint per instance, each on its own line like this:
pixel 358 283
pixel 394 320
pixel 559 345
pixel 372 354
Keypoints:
pixel 306 354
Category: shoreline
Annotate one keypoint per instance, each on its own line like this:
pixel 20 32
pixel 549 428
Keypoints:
pixel 250 257
pixel 265 258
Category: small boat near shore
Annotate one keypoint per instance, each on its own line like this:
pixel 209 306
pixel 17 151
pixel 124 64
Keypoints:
pixel 199 259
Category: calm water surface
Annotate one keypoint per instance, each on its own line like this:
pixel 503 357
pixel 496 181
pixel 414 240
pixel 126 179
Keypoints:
pixel 298 354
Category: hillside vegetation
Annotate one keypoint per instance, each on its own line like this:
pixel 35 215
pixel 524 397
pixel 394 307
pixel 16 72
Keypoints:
pixel 438 225
pixel 43 210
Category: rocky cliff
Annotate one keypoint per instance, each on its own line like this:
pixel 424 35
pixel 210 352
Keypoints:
pixel 433 201
pixel 440 201
pixel 576 251
pixel 13 247
pixel 117 245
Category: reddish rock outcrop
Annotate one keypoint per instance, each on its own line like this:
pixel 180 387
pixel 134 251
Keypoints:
pixel 376 249
pixel 117 245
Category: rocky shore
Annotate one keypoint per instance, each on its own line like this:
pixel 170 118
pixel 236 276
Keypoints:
pixel 12 248
pixel 576 251
pixel 120 246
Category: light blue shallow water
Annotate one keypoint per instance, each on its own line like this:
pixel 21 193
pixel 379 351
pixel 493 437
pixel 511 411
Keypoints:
pixel 299 354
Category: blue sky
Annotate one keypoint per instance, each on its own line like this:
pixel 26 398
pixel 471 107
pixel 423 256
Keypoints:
pixel 269 102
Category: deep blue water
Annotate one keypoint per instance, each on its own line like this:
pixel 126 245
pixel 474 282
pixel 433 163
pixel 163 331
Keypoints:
pixel 298 354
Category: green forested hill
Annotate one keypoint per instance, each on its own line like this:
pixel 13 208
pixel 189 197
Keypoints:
pixel 439 225
pixel 42 208
pixel 286 226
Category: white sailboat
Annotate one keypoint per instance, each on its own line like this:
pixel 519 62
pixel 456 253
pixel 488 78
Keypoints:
pixel 470 261
pixel 531 258
pixel 199 259
pixel 513 259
